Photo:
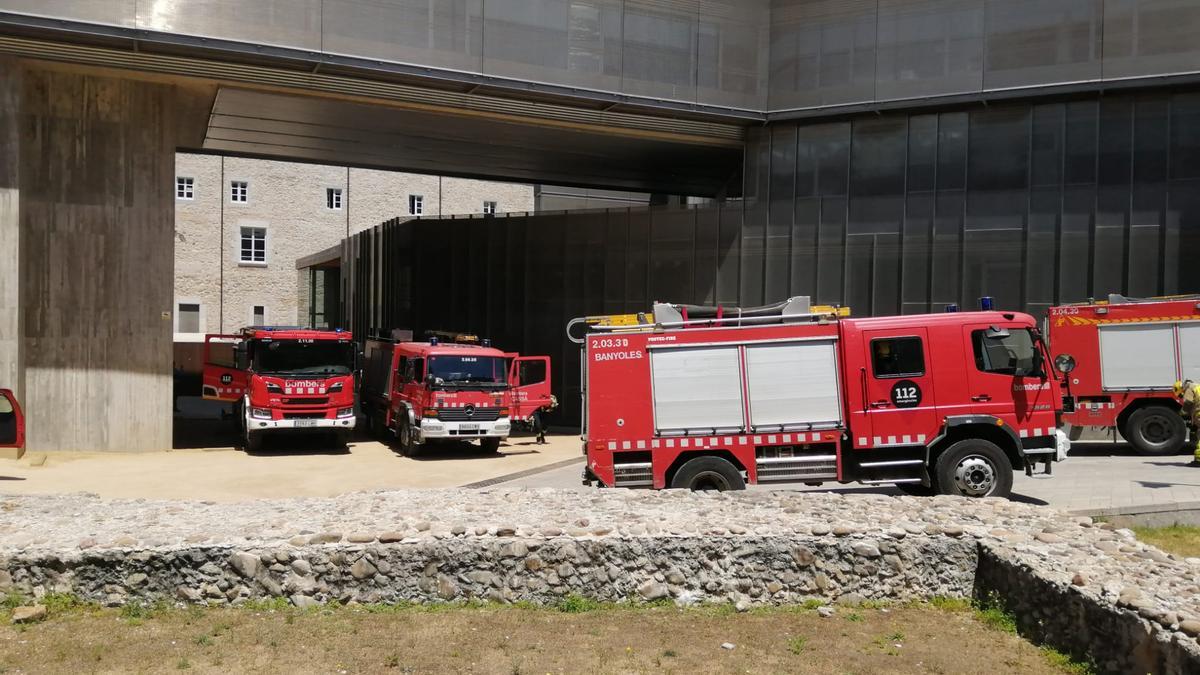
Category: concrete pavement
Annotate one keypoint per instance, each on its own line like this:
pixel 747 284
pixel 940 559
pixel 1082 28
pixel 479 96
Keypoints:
pixel 1100 478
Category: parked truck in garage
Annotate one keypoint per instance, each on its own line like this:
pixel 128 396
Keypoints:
pixel 1128 353
pixel 12 422
pixel 699 398
pixel 432 391
pixel 284 379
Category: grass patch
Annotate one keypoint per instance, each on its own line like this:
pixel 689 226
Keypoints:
pixel 1065 663
pixel 798 644
pixel 1181 540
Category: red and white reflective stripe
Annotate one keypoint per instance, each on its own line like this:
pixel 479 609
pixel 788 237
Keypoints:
pixel 718 442
pixel 303 390
pixel 891 441
pixel 1098 405
pixel 1037 431
pixel 230 390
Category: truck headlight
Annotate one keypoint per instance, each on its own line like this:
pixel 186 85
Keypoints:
pixel 260 413
pixel 345 412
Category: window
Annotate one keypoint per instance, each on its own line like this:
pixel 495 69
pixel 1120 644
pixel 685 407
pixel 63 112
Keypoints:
pixel 238 191
pixel 185 187
pixel 998 350
pixel 333 198
pixel 489 208
pixel 258 316
pixel 416 205
pixel 415 371
pixel 254 246
pixel 189 317
pixel 898 357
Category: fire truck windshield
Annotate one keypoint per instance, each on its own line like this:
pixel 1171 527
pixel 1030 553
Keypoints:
pixel 291 357
pixel 468 371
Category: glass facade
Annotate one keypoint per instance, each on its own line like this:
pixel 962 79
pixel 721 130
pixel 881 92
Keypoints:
pixel 761 55
pixel 1032 203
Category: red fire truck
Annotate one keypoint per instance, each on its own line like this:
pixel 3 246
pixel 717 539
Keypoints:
pixel 12 421
pixel 283 379
pixel 708 398
pixel 423 392
pixel 1127 354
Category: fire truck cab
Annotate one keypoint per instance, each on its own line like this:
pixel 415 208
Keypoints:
pixel 12 421
pixel 947 403
pixel 283 379
pixel 1127 353
pixel 424 392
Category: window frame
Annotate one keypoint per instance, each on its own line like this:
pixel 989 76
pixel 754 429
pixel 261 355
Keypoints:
pixel 493 204
pixel 266 237
pixel 416 205
pixel 201 315
pixel 978 335
pixel 185 188
pixel 897 376
pixel 266 321
pixel 334 198
pixel 245 191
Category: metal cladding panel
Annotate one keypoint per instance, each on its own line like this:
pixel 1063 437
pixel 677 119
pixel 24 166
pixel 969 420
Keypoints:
pixel 110 12
pixel 1137 356
pixel 1189 351
pixel 437 33
pixel 697 389
pixel 575 42
pixel 281 23
pixel 793 384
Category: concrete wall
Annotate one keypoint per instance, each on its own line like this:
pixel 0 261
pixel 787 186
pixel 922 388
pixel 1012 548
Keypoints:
pixel 93 193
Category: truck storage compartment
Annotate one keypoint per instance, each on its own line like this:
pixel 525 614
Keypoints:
pixel 793 385
pixel 1189 351
pixel 1138 356
pixel 697 389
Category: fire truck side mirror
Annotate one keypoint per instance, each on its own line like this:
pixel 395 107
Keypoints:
pixel 1065 363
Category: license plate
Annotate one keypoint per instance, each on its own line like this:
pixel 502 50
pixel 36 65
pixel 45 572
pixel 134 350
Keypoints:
pixel 306 423
pixel 468 427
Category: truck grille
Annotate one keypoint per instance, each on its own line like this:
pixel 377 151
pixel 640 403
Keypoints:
pixel 640 474
pixel 811 467
pixel 460 415
pixel 306 401
pixel 304 415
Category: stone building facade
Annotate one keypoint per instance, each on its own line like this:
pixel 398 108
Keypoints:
pixel 241 224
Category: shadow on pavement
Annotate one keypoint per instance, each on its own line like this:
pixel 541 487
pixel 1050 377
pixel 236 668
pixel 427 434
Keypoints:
pixel 1102 449
pixel 11 478
pixel 300 445
pixel 1156 485
pixel 442 451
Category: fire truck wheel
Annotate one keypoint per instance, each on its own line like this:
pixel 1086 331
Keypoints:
pixel 974 468
pixel 254 442
pixel 490 444
pixel 708 473
pixel 1075 433
pixel 1155 430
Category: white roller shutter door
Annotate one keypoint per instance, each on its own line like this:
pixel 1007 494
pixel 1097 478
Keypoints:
pixel 1189 350
pixel 1137 356
pixel 793 384
pixel 697 388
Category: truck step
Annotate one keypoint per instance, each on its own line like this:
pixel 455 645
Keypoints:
pixel 635 474
pixel 806 468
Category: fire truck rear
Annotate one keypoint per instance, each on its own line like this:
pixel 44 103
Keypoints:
pixel 426 392
pixel 1127 354
pixel 283 379
pixel 704 398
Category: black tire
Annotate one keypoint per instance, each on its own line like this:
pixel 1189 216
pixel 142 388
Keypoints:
pixel 490 444
pixel 974 468
pixel 708 473
pixel 407 437
pixel 254 442
pixel 916 489
pixel 1156 430
pixel 1075 434
pixel 342 437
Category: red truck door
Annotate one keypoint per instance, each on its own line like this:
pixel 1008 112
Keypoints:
pixel 898 389
pixel 1006 380
pixel 529 377
pixel 222 379
pixel 12 421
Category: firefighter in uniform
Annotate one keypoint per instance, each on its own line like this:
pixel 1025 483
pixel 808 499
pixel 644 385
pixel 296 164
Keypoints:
pixel 1188 393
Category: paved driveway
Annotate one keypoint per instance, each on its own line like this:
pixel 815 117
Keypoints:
pixel 1099 478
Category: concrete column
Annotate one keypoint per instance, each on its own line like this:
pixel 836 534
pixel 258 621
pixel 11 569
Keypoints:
pixel 96 213
pixel 10 231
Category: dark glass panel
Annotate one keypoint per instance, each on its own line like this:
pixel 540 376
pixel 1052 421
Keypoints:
pixel 947 248
pixel 1185 136
pixel 821 53
pixel 918 233
pixel 1080 164
pixel 1108 244
pixel 992 266
pixel 1116 141
pixel 1045 205
pixel 1041 42
pixel 999 149
pixel 831 250
pixel 1048 143
pixel 952 151
pixel 929 47
pixel 832 143
pixel 877 156
pixel 1150 140
pixel 805 226
pixel 1074 253
pixel 672 254
pixel 922 153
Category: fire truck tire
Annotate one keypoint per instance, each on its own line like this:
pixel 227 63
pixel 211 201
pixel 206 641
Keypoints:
pixel 254 442
pixel 1155 430
pixel 1075 434
pixel 708 473
pixel 490 444
pixel 973 467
